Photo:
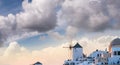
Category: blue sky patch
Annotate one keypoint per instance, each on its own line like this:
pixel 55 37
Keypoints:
pixel 11 6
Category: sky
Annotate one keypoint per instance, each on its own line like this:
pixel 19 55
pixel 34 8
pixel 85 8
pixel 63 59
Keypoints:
pixel 37 30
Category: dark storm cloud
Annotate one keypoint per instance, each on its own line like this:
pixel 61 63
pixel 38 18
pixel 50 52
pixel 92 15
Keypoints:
pixel 37 22
pixel 91 15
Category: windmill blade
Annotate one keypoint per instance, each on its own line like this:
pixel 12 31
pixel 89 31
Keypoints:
pixel 70 47
pixel 69 50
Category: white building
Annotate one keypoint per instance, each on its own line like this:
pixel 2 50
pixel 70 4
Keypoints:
pixel 98 57
pixel 114 50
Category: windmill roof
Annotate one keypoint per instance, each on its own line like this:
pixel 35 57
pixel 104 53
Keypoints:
pixel 77 45
pixel 38 63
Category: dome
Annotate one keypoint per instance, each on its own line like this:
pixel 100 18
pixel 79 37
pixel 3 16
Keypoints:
pixel 115 42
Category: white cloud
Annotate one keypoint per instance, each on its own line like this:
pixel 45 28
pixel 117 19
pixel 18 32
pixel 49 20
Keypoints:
pixel 23 35
pixel 100 42
pixel 13 49
pixel 14 53
pixel 71 32
pixel 56 35
pixel 37 16
pixel 42 16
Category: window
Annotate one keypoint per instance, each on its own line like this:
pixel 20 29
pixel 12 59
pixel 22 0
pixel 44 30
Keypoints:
pixel 72 63
pixel 118 52
pixel 66 64
pixel 100 55
pixel 115 53
pixel 97 55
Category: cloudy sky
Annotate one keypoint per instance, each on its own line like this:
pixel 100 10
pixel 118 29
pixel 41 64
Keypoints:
pixel 37 30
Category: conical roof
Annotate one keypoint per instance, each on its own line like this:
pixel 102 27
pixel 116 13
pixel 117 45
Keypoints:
pixel 38 63
pixel 77 45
